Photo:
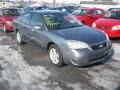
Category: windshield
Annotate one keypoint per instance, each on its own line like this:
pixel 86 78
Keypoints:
pixel 10 12
pixel 81 12
pixel 113 15
pixel 56 21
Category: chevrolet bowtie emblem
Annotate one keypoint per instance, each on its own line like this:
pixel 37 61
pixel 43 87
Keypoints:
pixel 100 46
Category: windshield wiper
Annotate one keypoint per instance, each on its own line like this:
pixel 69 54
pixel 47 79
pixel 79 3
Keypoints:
pixel 57 28
pixel 74 26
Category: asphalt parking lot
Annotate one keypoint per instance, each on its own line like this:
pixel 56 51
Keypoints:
pixel 28 68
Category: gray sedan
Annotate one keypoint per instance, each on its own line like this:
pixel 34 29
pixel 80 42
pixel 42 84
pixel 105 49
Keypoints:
pixel 66 39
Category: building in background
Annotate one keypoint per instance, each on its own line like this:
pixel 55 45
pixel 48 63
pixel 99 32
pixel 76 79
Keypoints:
pixel 104 2
pixel 8 4
pixel 88 3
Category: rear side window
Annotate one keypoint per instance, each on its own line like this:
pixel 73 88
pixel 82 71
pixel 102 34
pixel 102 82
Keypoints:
pixel 96 12
pixel 36 19
pixel 26 18
pixel 81 12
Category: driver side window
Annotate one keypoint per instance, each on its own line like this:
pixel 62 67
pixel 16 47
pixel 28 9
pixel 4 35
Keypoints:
pixel 36 20
pixel 26 18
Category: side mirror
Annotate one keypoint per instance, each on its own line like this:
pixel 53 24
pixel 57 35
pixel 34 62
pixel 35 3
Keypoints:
pixel 39 27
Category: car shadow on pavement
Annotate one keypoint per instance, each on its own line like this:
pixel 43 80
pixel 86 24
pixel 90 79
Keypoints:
pixel 115 39
pixel 105 60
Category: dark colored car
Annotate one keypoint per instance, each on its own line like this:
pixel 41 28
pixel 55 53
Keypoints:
pixel 68 9
pixel 66 39
pixel 7 15
pixel 110 23
pixel 88 15
pixel 27 9
pixel 110 9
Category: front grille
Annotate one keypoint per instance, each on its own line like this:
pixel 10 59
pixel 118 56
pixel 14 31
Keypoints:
pixel 98 58
pixel 103 27
pixel 99 46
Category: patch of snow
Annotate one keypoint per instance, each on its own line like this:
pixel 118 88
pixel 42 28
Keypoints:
pixel 18 74
pixel 116 48
pixel 76 86
pixel 106 78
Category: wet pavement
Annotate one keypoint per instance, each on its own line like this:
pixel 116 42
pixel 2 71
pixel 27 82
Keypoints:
pixel 26 67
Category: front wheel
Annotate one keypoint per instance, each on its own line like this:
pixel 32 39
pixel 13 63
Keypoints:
pixel 19 38
pixel 55 55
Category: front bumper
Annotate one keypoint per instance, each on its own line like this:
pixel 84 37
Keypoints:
pixel 85 56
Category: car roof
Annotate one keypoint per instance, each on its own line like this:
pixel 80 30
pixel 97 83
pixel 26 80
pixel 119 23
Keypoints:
pixel 115 11
pixel 88 8
pixel 114 8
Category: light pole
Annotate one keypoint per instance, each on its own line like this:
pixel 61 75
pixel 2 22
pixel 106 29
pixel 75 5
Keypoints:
pixel 54 2
pixel 29 2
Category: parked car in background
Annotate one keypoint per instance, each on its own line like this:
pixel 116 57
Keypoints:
pixel 110 23
pixel 88 15
pixel 113 9
pixel 27 9
pixel 66 39
pixel 68 9
pixel 7 15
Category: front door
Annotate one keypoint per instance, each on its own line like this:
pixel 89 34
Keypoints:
pixel 38 36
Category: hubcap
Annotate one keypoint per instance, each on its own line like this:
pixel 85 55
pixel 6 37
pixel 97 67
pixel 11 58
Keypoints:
pixel 18 37
pixel 54 55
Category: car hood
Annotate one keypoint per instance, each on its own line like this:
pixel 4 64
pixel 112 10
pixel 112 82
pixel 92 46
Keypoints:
pixel 107 22
pixel 10 18
pixel 84 33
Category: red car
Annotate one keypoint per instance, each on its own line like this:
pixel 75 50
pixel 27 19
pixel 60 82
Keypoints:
pixel 110 24
pixel 7 15
pixel 88 15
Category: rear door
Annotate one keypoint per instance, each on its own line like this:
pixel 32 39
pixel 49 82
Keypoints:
pixel 94 14
pixel 90 17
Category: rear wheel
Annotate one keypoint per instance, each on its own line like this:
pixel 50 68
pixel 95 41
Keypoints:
pixel 4 29
pixel 83 22
pixel 55 55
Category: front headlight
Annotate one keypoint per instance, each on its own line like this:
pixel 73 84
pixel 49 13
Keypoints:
pixel 77 44
pixel 94 25
pixel 117 27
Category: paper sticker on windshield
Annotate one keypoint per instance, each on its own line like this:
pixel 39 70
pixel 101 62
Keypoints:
pixel 51 20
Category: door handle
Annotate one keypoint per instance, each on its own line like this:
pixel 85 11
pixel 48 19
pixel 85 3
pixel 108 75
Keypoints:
pixel 31 29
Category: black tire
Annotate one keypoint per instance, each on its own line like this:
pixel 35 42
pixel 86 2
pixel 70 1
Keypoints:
pixel 19 38
pixel 60 62
pixel 83 22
